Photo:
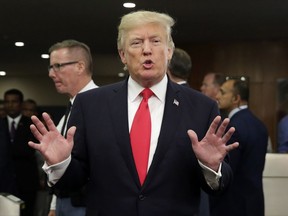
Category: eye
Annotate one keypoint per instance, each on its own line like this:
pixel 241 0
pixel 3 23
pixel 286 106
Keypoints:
pixel 136 43
pixel 156 40
pixel 57 66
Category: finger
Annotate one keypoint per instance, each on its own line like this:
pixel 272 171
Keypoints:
pixel 228 135
pixel 35 132
pixel 49 122
pixel 39 125
pixel 34 145
pixel 232 146
pixel 222 128
pixel 214 125
pixel 193 136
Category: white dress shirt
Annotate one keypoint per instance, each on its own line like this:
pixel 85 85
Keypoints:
pixel 89 86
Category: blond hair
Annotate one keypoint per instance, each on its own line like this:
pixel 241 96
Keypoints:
pixel 138 18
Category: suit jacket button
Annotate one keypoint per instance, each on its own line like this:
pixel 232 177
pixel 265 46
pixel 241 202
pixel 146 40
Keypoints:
pixel 141 197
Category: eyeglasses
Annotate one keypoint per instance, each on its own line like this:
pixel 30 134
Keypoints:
pixel 56 67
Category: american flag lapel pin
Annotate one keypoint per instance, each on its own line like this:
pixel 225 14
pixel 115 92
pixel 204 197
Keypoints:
pixel 176 102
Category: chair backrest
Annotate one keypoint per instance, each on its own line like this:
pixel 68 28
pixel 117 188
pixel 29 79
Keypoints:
pixel 275 184
pixel 10 205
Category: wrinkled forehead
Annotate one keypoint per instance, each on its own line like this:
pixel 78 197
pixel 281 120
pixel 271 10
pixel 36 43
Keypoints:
pixel 148 30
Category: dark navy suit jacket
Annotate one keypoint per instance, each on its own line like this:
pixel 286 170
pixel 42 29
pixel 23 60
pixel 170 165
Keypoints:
pixel 23 163
pixel 23 156
pixel 245 196
pixel 102 154
pixel 7 170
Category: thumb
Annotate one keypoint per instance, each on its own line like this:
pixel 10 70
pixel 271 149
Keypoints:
pixel 193 136
pixel 70 134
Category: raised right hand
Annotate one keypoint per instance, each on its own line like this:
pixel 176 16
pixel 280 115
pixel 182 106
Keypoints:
pixel 52 145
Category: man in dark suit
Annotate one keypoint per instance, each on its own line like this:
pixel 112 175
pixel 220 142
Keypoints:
pixel 23 158
pixel 180 66
pixel 7 175
pixel 104 155
pixel 245 196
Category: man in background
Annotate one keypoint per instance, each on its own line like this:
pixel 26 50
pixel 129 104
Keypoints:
pixel 23 158
pixel 179 68
pixel 29 108
pixel 282 135
pixel 7 173
pixel 2 109
pixel 211 84
pixel 71 69
pixel 43 199
pixel 245 196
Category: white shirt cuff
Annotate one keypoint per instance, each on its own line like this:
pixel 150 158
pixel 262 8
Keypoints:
pixel 211 177
pixel 56 171
pixel 53 202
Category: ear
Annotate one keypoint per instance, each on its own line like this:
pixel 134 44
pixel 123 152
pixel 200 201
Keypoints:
pixel 237 99
pixel 81 66
pixel 170 53
pixel 122 56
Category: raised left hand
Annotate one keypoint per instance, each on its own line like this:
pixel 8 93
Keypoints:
pixel 212 149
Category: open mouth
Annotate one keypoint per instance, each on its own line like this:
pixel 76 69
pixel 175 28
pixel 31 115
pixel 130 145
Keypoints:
pixel 148 64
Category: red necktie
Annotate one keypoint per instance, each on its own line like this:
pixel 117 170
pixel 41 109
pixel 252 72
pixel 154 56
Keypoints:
pixel 140 135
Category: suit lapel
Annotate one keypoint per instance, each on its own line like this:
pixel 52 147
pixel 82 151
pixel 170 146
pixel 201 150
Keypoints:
pixel 119 103
pixel 167 132
pixel 6 126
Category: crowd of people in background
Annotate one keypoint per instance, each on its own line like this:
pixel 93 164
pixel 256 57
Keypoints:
pixel 18 159
pixel 71 69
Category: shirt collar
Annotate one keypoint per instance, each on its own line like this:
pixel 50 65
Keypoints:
pixel 16 120
pixel 89 86
pixel 159 90
pixel 182 82
pixel 237 109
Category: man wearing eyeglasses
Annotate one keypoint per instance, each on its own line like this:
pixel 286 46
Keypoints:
pixel 71 70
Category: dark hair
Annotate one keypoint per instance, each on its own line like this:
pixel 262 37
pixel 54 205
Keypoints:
pixel 31 101
pixel 15 92
pixel 219 79
pixel 180 64
pixel 241 88
pixel 74 45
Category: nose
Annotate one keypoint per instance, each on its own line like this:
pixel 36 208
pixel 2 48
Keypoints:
pixel 202 88
pixel 218 95
pixel 51 73
pixel 146 47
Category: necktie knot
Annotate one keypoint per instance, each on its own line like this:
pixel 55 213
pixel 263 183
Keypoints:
pixel 146 93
